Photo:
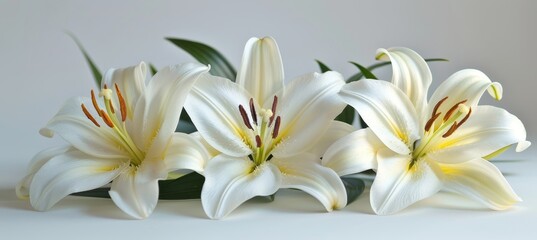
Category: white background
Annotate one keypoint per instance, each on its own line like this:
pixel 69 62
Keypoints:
pixel 41 67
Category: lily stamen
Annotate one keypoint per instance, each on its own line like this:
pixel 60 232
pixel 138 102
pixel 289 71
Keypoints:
pixel 245 118
pixel 276 127
pixel 437 106
pixel 265 132
pixel 274 105
pixel 107 119
pixel 252 111
pixel 94 101
pixel 453 109
pixel 456 125
pixel 258 141
pixel 122 104
pixel 89 116
pixel 429 123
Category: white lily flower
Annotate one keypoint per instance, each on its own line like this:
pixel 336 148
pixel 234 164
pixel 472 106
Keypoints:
pixel 417 148
pixel 125 136
pixel 268 137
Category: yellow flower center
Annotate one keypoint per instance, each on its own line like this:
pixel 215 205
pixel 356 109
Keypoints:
pixel 265 131
pixel 112 120
pixel 435 130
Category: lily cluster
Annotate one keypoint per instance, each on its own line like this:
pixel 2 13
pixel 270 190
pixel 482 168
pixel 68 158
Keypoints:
pixel 257 135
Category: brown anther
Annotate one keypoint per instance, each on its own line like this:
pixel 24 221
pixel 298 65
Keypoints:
pixel 429 123
pixel 453 109
pixel 274 105
pixel 122 104
pixel 437 106
pixel 105 86
pixel 252 111
pixel 456 125
pixel 258 141
pixel 276 127
pixel 465 118
pixel 107 119
pixel 112 106
pixel 245 118
pixel 451 130
pixel 94 101
pixel 88 115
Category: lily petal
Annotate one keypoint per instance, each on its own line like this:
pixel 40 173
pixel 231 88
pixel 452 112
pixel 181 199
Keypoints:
pixel 23 187
pixel 136 190
pixel 309 105
pixel 73 126
pixel 487 130
pixel 161 105
pixel 386 110
pixel 213 106
pixel 353 153
pixel 396 187
pixel 131 82
pixel 261 70
pixel 336 130
pixel 480 180
pixel 230 181
pixel 186 152
pixel 468 84
pixel 304 172
pixel 411 74
pixel 208 148
pixel 70 172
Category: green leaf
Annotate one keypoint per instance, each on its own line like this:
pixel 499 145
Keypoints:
pixel 347 115
pixel 153 69
pixel 323 66
pixel 365 72
pixel 205 54
pixel 362 122
pixel 97 76
pixel 359 75
pixel 187 187
pixel 185 127
pixel 185 123
pixel 354 187
pixel 266 199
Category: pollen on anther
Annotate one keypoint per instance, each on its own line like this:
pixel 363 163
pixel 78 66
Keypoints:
pixel 245 118
pixel 258 141
pixel 107 119
pixel 276 127
pixel 252 111
pixel 437 106
pixel 94 101
pixel 122 104
pixel 429 123
pixel 89 116
pixel 453 109
pixel 451 130
pixel 465 117
pixel 274 106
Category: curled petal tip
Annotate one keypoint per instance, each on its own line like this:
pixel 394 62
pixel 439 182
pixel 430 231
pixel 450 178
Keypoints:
pixel 381 54
pixel 45 132
pixel 521 146
pixel 496 90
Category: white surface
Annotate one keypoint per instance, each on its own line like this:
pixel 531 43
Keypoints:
pixel 293 215
pixel 41 68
